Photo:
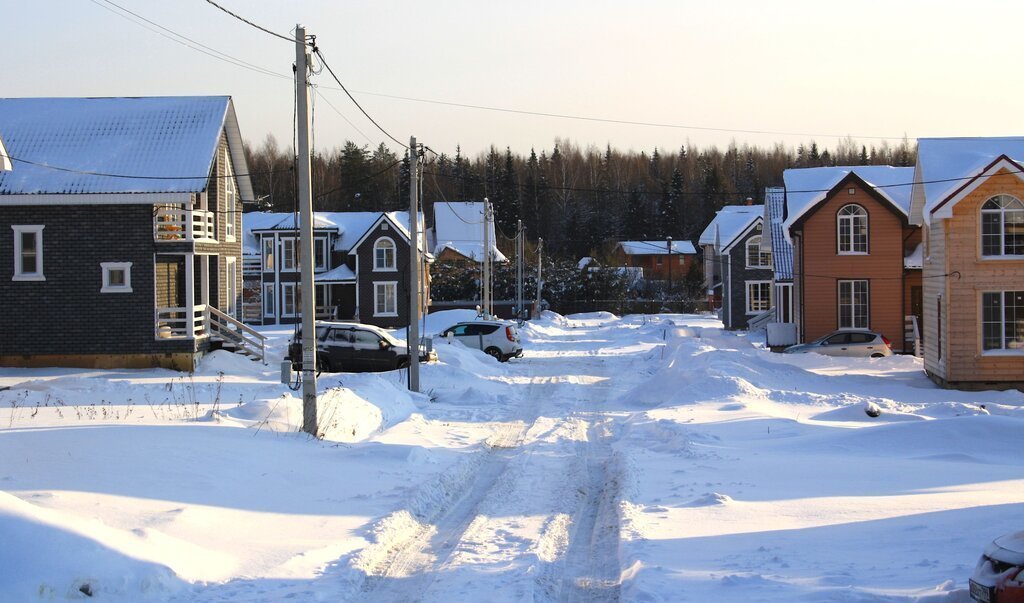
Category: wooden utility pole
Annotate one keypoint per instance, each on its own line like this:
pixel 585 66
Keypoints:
pixel 302 57
pixel 520 248
pixel 413 344
pixel 540 282
pixel 485 285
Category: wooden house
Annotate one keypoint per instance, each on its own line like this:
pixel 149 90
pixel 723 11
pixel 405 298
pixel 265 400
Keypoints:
pixel 658 261
pixel 736 266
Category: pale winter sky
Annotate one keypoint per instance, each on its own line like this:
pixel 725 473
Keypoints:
pixel 810 69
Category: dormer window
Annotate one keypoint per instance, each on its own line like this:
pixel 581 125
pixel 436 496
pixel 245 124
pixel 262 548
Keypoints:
pixel 852 230
pixel 1002 227
pixel 384 254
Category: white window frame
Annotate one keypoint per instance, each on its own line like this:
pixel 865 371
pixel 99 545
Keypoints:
pixel 748 285
pixel 394 256
pixel 231 286
pixel 289 289
pixel 109 267
pixel 853 304
pixel 852 220
pixel 37 274
pixel 287 243
pixel 763 258
pixel 268 259
pixel 1006 348
pixel 377 287
pixel 230 198
pixel 1001 212
pixel 320 254
pixel 269 298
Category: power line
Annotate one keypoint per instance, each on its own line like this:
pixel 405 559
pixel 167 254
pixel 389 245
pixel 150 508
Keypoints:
pixel 342 115
pixel 139 177
pixel 248 22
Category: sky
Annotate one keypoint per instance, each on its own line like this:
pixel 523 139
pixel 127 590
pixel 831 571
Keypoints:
pixel 709 72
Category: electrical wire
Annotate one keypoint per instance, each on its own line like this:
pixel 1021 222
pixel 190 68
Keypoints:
pixel 138 177
pixel 342 115
pixel 248 22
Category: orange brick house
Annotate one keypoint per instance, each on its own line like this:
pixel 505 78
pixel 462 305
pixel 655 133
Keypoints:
pixel 969 198
pixel 853 250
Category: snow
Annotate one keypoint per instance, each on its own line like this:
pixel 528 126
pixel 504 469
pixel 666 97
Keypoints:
pixel 946 164
pixel 656 247
pixel 350 225
pixel 915 259
pixel 170 137
pixel 339 274
pixel 729 223
pixel 637 458
pixel 5 160
pixel 458 225
pixel 806 187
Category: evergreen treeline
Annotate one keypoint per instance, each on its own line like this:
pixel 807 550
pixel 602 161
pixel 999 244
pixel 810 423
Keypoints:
pixel 576 199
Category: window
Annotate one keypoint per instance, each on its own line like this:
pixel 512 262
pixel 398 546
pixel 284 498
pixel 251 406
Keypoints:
pixel 117 277
pixel 759 296
pixel 755 257
pixel 384 254
pixel 365 340
pixel 385 296
pixel 1002 227
pixel 319 255
pixel 268 254
pixel 230 198
pixel 231 276
pixel 289 299
pixel 852 227
pixel 1002 320
pixel 28 253
pixel 268 299
pixel 853 304
pixel 289 261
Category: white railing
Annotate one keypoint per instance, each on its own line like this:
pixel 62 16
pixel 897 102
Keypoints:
pixel 912 333
pixel 243 337
pixel 181 323
pixel 174 223
pixel 759 322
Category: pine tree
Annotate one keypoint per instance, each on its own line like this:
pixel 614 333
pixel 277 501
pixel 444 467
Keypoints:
pixel 864 155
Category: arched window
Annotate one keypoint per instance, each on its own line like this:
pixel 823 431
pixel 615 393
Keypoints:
pixel 755 257
pixel 1002 226
pixel 852 229
pixel 384 254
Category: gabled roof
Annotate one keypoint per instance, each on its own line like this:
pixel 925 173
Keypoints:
pixel 807 187
pixel 946 165
pixel 5 161
pixel 350 225
pixel 339 274
pixel 458 225
pixel 106 146
pixel 778 244
pixel 655 247
pixel 729 223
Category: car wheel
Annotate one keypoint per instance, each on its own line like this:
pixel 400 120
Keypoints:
pixel 878 355
pixel 495 353
pixel 323 365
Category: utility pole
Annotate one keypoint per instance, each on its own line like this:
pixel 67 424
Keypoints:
pixel 669 241
pixel 485 285
pixel 302 57
pixel 520 248
pixel 540 282
pixel 413 344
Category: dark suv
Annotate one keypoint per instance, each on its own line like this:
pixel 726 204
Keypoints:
pixel 354 348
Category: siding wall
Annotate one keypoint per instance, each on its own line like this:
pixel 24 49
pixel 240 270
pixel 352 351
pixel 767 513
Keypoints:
pixel 367 277
pixel 738 275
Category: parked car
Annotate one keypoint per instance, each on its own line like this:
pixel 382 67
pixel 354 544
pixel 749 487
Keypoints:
pixel 354 347
pixel 847 342
pixel 495 338
pixel 999 575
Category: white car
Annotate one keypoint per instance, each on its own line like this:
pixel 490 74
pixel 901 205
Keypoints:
pixel 495 338
pixel 847 342
pixel 999 575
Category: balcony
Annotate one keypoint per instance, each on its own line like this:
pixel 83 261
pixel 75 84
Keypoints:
pixel 173 223
pixel 181 323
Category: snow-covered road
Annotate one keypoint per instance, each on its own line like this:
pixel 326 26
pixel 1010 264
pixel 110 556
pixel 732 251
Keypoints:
pixel 636 459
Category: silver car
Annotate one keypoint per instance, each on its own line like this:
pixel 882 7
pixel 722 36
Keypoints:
pixel 495 338
pixel 847 342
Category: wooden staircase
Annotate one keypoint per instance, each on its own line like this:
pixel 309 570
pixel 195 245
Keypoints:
pixel 236 336
pixel 912 334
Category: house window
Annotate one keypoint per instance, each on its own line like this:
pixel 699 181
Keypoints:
pixel 755 257
pixel 385 299
pixel 230 197
pixel 1002 321
pixel 319 255
pixel 852 227
pixel 1002 227
pixel 759 296
pixel 853 304
pixel 268 254
pixel 268 299
pixel 384 254
pixel 289 299
pixel 289 261
pixel 117 277
pixel 28 253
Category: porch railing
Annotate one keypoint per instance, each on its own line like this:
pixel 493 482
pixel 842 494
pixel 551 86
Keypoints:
pixel 174 223
pixel 181 323
pixel 244 338
pixel 912 334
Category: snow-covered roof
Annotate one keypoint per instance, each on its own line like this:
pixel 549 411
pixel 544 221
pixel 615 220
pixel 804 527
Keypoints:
pixel 458 225
pixel 656 247
pixel 586 261
pixel 338 274
pixel 777 243
pixel 729 223
pixel 915 259
pixel 946 164
pixel 118 145
pixel 807 187
pixel 350 225
pixel 5 161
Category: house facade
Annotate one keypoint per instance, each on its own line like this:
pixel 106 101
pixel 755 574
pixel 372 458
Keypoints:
pixel 131 250
pixel 360 272
pixel 851 242
pixel 656 259
pixel 736 265
pixel 969 198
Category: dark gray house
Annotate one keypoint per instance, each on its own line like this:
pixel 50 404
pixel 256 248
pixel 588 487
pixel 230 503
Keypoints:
pixel 361 264
pixel 737 270
pixel 120 231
